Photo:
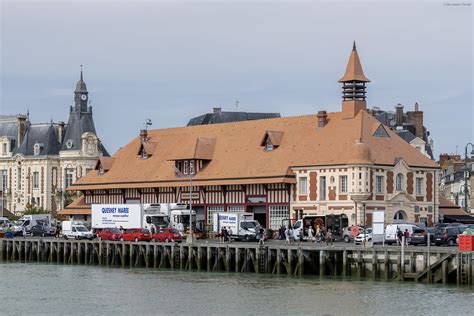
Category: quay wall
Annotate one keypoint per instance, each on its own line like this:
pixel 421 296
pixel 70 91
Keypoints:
pixel 441 265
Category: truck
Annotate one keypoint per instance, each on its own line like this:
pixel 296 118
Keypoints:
pixel 75 230
pixel 128 216
pixel 300 228
pixel 179 219
pixel 28 221
pixel 242 225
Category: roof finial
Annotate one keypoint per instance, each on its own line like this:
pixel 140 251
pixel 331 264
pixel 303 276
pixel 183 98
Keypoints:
pixel 81 74
pixel 354 46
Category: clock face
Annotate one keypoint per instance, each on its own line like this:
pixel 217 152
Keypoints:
pixel 84 97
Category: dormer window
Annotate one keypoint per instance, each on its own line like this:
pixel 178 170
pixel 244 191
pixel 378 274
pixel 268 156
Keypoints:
pixel 268 145
pixel 191 167
pixel 4 149
pixel 101 170
pixel 186 167
pixel 37 149
pixel 271 140
pixel 381 132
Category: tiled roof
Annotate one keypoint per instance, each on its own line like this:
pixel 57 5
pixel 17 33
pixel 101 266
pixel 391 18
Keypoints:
pixel 238 155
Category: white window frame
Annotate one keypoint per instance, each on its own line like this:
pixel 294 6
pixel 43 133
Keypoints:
pixel 18 180
pixel 276 215
pixel 68 177
pixel 191 167
pixel 419 186
pixel 236 208
pixel 303 185
pixel 343 184
pixel 268 144
pixel 379 184
pixel 4 179
pixel 322 188
pixel 399 182
pixel 35 180
pixel 185 167
pixel 4 149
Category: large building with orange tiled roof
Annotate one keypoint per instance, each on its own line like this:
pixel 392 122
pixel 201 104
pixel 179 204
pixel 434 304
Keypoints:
pixel 279 168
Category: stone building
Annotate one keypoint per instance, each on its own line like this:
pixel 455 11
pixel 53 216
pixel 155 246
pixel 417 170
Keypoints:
pixel 39 160
pixel 278 169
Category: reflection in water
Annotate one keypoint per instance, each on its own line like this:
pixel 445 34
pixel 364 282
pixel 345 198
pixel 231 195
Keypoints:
pixel 56 289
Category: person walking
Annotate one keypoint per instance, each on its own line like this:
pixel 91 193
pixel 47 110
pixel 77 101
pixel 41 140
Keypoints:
pixel 399 236
pixel 406 234
pixel 318 233
pixel 287 236
pixel 310 234
pixel 23 231
pixel 329 238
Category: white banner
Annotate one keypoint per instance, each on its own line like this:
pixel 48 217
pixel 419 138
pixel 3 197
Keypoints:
pixel 116 215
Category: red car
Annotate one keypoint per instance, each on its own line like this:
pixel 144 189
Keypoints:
pixel 109 234
pixel 167 235
pixel 136 234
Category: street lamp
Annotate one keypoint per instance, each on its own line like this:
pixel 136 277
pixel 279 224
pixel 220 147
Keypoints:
pixel 466 175
pixel 189 239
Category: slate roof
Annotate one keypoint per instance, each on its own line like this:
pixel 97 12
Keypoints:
pixel 406 135
pixel 45 134
pixel 9 127
pixel 228 117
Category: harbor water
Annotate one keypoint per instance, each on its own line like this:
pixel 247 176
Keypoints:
pixel 42 289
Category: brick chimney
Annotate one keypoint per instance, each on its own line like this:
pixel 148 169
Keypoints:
pixel 143 135
pixel 418 122
pixel 399 115
pixel 322 118
pixel 22 122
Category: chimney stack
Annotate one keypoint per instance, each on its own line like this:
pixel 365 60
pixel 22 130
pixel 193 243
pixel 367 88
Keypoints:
pixel 322 118
pixel 144 135
pixel 22 121
pixel 61 131
pixel 399 115
pixel 216 110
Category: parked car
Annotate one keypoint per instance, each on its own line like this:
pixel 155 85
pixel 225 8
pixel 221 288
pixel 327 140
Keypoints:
pixel 40 230
pixel 419 236
pixel 347 233
pixel 109 234
pixel 136 234
pixel 364 234
pixel 167 235
pixel 447 235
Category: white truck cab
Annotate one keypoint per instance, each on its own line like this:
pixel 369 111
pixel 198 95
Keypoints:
pixel 75 230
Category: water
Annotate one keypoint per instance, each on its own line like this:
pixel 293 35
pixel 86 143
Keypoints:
pixel 79 290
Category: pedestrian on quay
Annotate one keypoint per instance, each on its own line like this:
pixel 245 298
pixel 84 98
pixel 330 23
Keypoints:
pixel 287 236
pixel 229 233
pixel 222 235
pixel 399 236
pixel 310 234
pixel 318 234
pixel 329 238
pixel 281 233
pixel 407 235
pixel 23 231
pixel 56 233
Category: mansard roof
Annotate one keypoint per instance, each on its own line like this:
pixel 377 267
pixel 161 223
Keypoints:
pixel 239 158
pixel 45 134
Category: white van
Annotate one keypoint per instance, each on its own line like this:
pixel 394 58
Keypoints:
pixel 75 230
pixel 391 231
pixel 4 221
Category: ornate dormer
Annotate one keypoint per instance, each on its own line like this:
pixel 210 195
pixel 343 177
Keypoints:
pixel 37 148
pixel 90 144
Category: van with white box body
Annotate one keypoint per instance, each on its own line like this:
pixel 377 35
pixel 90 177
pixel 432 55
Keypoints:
pixel 391 231
pixel 75 230
pixel 242 225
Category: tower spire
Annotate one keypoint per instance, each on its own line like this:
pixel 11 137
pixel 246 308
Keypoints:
pixel 83 79
pixel 354 46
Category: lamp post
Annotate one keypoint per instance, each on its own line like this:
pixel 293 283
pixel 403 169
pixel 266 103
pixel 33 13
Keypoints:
pixel 466 175
pixel 189 239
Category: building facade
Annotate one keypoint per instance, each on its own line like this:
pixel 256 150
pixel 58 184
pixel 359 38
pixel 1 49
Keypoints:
pixel 340 166
pixel 39 160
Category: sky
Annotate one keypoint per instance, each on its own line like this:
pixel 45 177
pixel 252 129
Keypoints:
pixel 171 61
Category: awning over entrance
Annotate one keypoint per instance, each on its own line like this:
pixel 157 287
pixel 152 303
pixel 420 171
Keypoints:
pixel 451 213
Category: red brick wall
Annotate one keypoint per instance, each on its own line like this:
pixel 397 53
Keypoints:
pixel 410 182
pixel 332 193
pixel 390 182
pixel 313 195
pixel 429 187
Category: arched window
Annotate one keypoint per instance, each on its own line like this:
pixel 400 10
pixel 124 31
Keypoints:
pixel 399 182
pixel 400 216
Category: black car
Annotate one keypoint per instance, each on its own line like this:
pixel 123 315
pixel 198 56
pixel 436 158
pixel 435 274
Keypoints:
pixel 419 236
pixel 447 235
pixel 40 230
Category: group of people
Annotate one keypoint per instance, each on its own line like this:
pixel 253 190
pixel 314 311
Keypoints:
pixel 319 235
pixel 226 232
pixel 400 236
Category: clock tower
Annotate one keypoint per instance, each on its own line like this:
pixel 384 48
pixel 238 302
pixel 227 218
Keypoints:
pixel 81 96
